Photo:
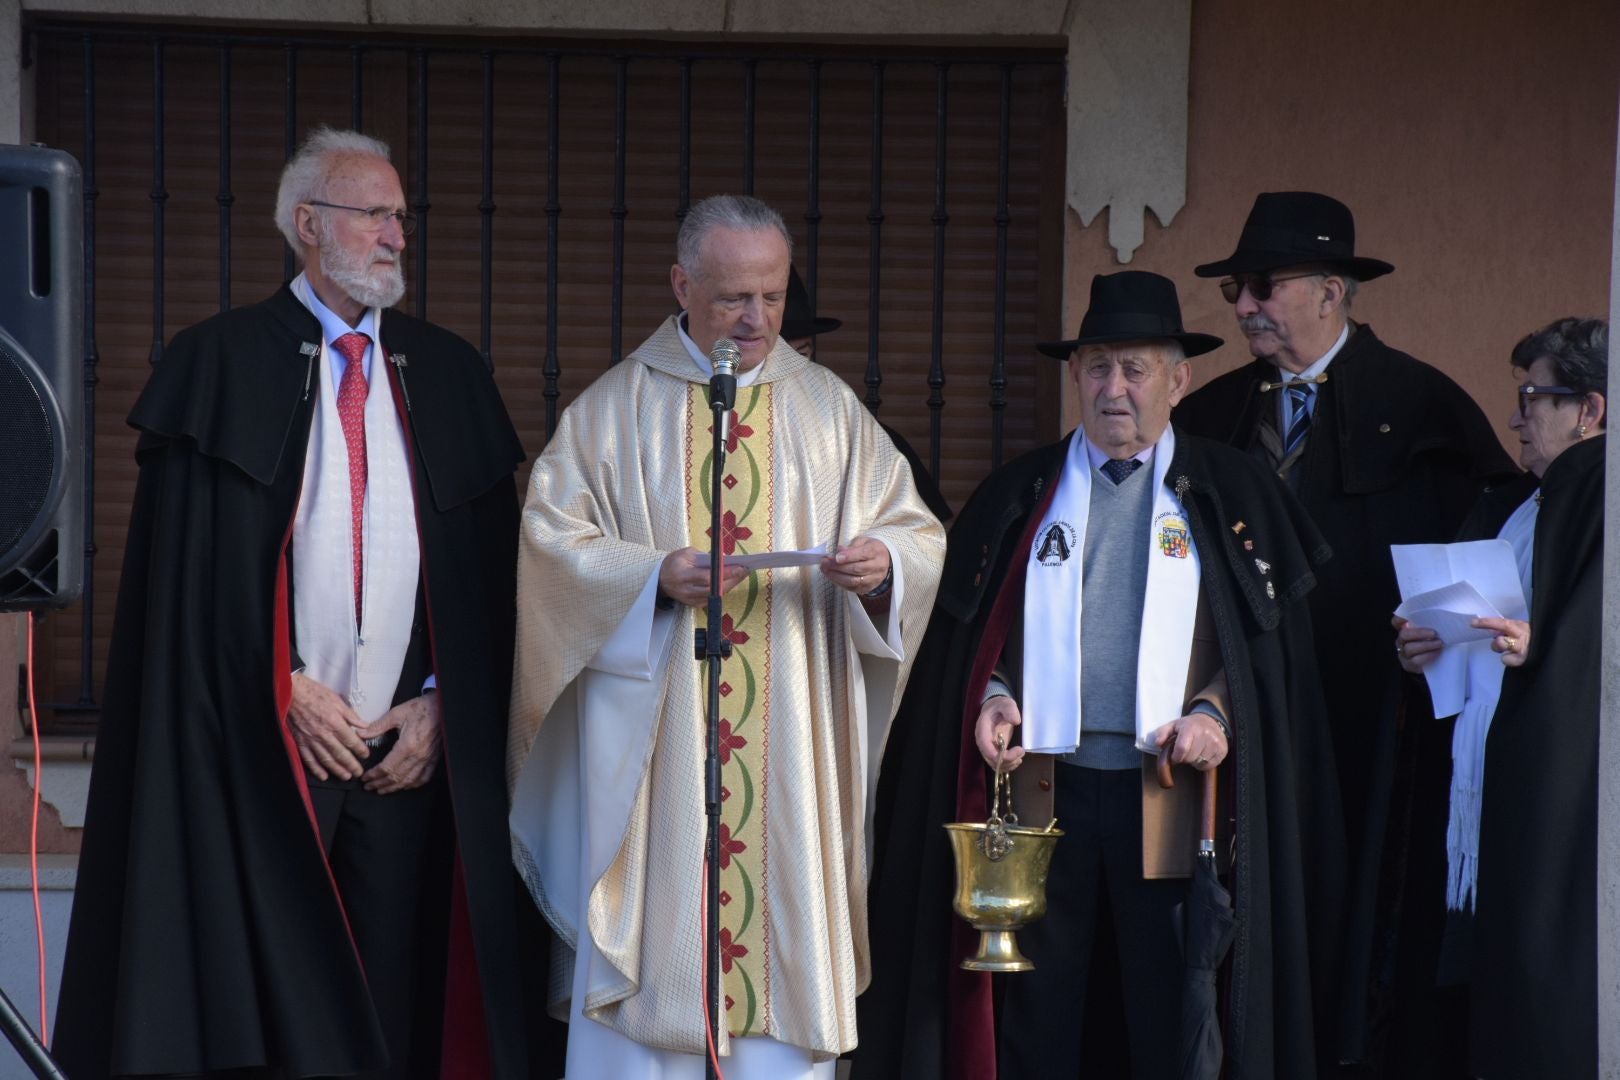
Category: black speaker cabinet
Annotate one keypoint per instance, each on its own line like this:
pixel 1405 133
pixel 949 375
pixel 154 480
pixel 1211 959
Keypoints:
pixel 41 378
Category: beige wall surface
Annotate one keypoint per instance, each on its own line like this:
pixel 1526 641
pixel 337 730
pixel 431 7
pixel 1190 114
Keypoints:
pixel 1475 144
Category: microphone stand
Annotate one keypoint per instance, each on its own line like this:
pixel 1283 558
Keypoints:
pixel 713 648
pixel 26 1043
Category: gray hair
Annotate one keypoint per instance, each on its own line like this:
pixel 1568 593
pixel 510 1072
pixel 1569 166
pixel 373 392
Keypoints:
pixel 304 178
pixel 743 213
pixel 1350 287
pixel 1350 284
pixel 1578 349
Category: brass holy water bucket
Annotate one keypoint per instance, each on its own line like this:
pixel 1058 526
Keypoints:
pixel 1001 870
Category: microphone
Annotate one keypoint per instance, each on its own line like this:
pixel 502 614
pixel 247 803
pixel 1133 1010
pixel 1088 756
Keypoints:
pixel 725 357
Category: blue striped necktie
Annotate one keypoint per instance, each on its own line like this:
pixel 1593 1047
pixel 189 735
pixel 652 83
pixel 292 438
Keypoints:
pixel 1299 396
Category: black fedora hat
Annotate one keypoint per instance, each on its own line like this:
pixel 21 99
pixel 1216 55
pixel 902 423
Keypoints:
pixel 1132 305
pixel 1292 228
pixel 799 320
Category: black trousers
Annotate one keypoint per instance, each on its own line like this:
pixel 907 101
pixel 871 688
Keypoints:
pixel 1106 953
pixel 391 857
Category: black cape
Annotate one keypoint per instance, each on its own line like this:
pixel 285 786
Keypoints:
pixel 1397 454
pixel 921 1017
pixel 1534 990
pixel 1426 1034
pixel 206 933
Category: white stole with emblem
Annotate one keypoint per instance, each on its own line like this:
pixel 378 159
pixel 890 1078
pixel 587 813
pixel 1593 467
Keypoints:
pixel 361 663
pixel 1053 586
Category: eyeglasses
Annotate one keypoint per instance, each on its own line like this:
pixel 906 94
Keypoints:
pixel 376 216
pixel 1529 393
pixel 1260 286
pixel 1099 368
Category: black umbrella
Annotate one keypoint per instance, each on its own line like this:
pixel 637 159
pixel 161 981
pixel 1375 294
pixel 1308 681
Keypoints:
pixel 1207 924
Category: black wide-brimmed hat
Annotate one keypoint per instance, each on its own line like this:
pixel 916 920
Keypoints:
pixel 799 320
pixel 1132 305
pixel 1292 228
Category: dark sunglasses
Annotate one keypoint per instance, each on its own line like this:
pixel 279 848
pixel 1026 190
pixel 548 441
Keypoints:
pixel 1529 392
pixel 1260 286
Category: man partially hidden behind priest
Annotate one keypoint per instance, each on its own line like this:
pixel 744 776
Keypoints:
pixel 294 860
pixel 607 739
pixel 1123 590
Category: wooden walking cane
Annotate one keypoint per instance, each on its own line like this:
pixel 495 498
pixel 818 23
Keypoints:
pixel 1210 814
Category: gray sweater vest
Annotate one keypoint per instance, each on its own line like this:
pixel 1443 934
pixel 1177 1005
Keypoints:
pixel 1116 564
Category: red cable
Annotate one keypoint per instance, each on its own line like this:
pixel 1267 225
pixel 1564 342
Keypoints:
pixel 33 843
pixel 708 1021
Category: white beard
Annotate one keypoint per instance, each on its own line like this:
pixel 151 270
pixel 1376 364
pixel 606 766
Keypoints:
pixel 366 280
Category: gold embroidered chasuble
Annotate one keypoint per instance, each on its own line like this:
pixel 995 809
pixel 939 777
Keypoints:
pixel 605 758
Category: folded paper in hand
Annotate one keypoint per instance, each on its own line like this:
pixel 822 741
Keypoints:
pixel 1450 611
pixel 1475 578
pixel 1445 587
pixel 770 560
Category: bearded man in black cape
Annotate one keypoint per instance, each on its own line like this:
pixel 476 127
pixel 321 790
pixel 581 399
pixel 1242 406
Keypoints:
pixel 1382 449
pixel 1215 559
pixel 295 857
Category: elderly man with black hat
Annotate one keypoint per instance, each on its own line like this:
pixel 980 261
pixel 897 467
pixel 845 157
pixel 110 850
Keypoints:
pixel 1126 589
pixel 1382 449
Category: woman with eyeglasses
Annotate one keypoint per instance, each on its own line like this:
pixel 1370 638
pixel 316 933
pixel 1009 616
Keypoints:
pixel 1510 849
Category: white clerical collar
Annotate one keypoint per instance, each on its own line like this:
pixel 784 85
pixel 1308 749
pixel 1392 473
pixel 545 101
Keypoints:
pixel 744 378
pixel 333 325
pixel 1321 365
pixel 1097 457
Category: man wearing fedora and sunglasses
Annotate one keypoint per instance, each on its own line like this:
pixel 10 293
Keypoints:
pixel 1127 590
pixel 1382 449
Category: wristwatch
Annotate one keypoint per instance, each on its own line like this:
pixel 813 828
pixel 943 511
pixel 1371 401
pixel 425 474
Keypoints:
pixel 883 587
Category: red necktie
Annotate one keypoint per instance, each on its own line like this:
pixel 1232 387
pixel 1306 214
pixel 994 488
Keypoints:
pixel 351 407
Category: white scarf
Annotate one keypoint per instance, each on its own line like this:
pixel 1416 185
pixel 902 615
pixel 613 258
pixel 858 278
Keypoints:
pixel 1052 606
pixel 1474 725
pixel 364 669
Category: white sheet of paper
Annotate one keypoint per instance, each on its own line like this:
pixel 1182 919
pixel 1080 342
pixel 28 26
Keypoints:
pixel 770 560
pixel 1449 610
pixel 1488 570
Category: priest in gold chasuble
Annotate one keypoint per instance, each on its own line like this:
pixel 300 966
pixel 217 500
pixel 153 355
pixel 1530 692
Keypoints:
pixel 606 750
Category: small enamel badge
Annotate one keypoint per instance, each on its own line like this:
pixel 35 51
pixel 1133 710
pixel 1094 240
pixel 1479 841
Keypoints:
pixel 1271 591
pixel 1248 545
pixel 1262 566
pixel 1175 539
pixel 1239 527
